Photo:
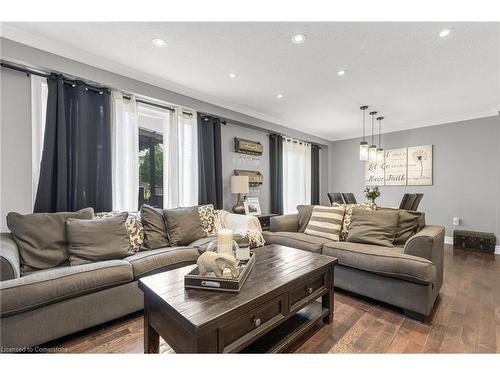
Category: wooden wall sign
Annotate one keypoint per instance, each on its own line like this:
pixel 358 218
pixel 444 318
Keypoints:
pixel 420 165
pixel 401 167
pixel 374 174
pixel 395 167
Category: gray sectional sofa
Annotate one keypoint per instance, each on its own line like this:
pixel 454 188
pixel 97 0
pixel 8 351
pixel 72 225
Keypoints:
pixel 48 304
pixel 408 276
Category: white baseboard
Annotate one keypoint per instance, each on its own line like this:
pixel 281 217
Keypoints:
pixel 449 241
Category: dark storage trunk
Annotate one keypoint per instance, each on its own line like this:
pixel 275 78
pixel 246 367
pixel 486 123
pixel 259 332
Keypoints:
pixel 469 240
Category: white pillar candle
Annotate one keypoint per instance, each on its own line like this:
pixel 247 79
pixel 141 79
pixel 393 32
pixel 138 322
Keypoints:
pixel 243 253
pixel 225 241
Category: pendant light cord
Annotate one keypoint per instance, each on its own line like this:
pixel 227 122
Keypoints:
pixel 364 113
pixel 373 126
pixel 379 132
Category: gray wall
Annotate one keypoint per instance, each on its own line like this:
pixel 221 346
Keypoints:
pixel 15 140
pixel 466 173
pixel 232 160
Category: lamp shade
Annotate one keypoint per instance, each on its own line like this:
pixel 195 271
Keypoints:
pixel 239 184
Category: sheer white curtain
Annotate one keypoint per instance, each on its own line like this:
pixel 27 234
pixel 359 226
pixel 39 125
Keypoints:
pixel 39 93
pixel 296 174
pixel 181 160
pixel 125 153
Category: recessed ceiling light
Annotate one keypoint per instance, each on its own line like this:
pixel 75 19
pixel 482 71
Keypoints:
pixel 279 96
pixel 341 72
pixel 233 75
pixel 299 38
pixel 158 42
pixel 445 32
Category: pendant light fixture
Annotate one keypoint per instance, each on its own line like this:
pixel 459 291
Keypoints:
pixel 363 146
pixel 380 150
pixel 372 150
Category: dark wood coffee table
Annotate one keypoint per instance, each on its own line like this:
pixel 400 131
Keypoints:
pixel 276 306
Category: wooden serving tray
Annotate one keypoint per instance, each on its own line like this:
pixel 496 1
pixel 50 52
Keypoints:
pixel 223 284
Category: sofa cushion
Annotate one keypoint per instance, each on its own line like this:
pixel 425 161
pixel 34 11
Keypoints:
pixel 48 286
pixel 98 239
pixel 382 260
pixel 41 238
pixel 348 215
pixel 134 227
pixel 183 225
pixel 207 218
pixel 373 227
pixel 300 241
pixel 150 261
pixel 155 228
pixel 410 222
pixel 325 222
pixel 303 216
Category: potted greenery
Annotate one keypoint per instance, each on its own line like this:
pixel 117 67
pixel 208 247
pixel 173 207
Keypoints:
pixel 372 193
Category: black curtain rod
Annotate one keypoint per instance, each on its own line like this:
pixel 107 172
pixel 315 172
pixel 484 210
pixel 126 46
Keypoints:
pixel 300 140
pixel 222 121
pixel 65 79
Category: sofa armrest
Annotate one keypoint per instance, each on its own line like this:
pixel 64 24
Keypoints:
pixel 428 243
pixel 10 267
pixel 285 223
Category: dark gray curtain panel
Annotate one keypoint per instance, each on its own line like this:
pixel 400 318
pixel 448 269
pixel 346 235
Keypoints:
pixel 75 171
pixel 209 161
pixel 315 174
pixel 276 177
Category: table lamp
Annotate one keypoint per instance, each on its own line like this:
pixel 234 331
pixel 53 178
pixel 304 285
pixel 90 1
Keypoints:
pixel 239 185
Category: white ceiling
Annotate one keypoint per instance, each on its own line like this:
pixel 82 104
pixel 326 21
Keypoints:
pixel 404 70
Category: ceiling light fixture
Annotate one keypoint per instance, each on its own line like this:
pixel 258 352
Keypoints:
pixel 233 75
pixel 299 38
pixel 279 96
pixel 341 72
pixel 158 42
pixel 445 32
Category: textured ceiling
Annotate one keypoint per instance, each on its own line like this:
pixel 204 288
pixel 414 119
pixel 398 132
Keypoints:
pixel 404 70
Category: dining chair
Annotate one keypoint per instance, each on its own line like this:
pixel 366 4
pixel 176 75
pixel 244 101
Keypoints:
pixel 417 201
pixel 407 201
pixel 349 198
pixel 335 198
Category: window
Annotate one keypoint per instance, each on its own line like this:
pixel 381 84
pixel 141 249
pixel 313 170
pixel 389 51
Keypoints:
pixel 152 124
pixel 39 94
pixel 296 174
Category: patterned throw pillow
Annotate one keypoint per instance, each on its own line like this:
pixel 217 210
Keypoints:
pixel 207 217
pixel 134 227
pixel 348 215
pixel 325 222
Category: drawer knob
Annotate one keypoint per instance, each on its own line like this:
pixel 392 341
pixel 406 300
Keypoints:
pixel 256 322
pixel 309 290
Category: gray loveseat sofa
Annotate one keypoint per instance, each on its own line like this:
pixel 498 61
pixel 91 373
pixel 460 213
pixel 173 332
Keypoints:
pixel 408 276
pixel 46 305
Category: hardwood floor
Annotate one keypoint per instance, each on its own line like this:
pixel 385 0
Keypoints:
pixel 466 319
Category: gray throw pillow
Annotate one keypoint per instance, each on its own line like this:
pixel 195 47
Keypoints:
pixel 183 225
pixel 155 228
pixel 410 222
pixel 304 215
pixel 373 227
pixel 41 238
pixel 97 240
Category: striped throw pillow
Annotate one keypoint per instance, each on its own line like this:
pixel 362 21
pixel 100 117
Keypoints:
pixel 325 222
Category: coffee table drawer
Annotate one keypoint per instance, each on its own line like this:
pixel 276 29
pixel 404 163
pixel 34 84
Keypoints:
pixel 303 292
pixel 251 324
